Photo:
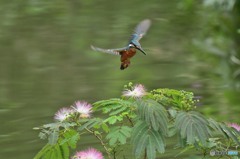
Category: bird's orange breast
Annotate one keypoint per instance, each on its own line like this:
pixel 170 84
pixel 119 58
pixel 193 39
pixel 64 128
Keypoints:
pixel 125 57
pixel 127 54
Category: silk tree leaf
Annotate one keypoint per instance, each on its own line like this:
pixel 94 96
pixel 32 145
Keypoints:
pixel 48 154
pixel 154 114
pixel 113 140
pixel 119 110
pixel 65 151
pixel 53 137
pixel 224 130
pixel 118 134
pixel 159 141
pixel 151 152
pixel 67 125
pixel 57 152
pixel 42 135
pixel 146 138
pixel 141 144
pixel 184 127
pixel 53 152
pixel 43 151
pixel 91 123
pixel 138 129
pixel 71 137
pixel 171 130
pixel 126 131
pixel 113 106
pixel 233 134
pixel 113 119
pixel 121 138
pixel 192 126
pixel 190 132
pixel 105 127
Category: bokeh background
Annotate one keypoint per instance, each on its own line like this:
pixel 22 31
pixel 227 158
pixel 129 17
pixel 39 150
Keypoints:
pixel 46 61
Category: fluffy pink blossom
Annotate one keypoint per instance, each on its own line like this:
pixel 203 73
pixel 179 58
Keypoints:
pixel 62 114
pixel 137 91
pixel 84 108
pixel 235 126
pixel 90 153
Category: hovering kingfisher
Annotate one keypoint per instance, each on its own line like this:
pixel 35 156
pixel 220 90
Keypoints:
pixel 129 51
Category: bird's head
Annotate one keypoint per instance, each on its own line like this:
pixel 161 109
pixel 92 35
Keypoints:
pixel 137 46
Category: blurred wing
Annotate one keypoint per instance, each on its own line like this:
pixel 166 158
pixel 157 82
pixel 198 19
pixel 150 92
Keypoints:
pixel 141 30
pixel 109 51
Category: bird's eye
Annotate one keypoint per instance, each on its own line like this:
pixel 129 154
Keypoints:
pixel 131 45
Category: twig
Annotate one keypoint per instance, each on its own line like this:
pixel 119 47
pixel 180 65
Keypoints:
pixel 102 143
pixel 129 119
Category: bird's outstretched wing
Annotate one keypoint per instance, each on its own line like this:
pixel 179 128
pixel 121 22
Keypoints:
pixel 109 51
pixel 140 30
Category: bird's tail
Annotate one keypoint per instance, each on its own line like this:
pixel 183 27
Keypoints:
pixel 124 65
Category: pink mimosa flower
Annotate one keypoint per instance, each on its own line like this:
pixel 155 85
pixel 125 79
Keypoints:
pixel 91 153
pixel 84 108
pixel 235 126
pixel 62 114
pixel 137 92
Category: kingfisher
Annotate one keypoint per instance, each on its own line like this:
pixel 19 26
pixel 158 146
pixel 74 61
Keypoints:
pixel 133 45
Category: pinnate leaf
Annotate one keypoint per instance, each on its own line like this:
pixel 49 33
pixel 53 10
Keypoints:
pixel 146 138
pixel 119 134
pixel 192 126
pixel 154 114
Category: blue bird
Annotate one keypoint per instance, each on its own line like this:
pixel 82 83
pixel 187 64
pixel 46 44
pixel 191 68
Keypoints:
pixel 133 45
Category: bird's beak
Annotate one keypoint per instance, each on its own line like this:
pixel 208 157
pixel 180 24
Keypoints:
pixel 140 49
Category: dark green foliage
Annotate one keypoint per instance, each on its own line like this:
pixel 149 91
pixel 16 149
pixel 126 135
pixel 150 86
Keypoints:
pixel 60 148
pixel 146 138
pixel 71 137
pixel 171 130
pixel 105 127
pixel 154 114
pixel 113 106
pixel 113 119
pixel 193 127
pixel 65 150
pixel 119 134
pixel 90 123
pixel 51 131
pixel 225 131
pixel 117 109
pixel 146 122
pixel 53 152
